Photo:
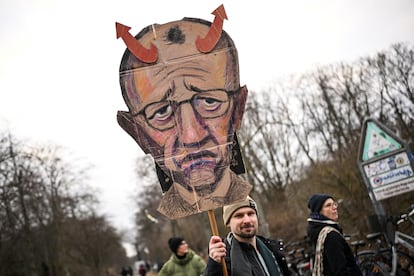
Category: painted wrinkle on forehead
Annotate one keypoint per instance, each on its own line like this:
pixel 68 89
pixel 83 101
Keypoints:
pixel 206 72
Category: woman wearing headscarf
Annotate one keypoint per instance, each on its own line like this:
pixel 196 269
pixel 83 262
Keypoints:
pixel 333 255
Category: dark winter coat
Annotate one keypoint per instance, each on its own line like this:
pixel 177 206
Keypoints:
pixel 214 268
pixel 338 258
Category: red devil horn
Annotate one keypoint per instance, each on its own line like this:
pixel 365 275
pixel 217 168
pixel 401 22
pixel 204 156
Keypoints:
pixel 146 55
pixel 207 43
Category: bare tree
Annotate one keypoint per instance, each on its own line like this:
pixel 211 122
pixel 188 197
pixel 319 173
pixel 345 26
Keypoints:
pixel 42 197
pixel 302 136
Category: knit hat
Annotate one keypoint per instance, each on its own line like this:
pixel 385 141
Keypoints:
pixel 228 210
pixel 316 202
pixel 174 243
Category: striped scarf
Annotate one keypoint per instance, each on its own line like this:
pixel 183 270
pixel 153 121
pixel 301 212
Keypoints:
pixel 318 265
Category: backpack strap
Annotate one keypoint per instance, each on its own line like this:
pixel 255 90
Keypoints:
pixel 318 265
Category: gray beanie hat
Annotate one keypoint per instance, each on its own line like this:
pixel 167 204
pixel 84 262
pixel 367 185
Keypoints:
pixel 228 210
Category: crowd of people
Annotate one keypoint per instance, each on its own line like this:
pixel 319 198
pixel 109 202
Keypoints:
pixel 244 252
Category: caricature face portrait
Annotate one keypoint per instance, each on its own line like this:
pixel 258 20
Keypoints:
pixel 185 107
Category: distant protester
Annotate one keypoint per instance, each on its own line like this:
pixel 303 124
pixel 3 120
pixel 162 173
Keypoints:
pixel 127 271
pixel 333 256
pixel 183 261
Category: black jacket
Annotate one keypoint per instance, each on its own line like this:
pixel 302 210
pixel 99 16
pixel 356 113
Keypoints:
pixel 338 258
pixel 214 268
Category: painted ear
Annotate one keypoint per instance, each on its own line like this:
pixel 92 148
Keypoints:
pixel 127 123
pixel 240 102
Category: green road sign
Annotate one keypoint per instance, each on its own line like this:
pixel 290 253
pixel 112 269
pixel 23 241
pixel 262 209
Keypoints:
pixel 378 142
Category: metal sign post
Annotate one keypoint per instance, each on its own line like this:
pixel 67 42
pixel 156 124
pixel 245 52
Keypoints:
pixel 386 164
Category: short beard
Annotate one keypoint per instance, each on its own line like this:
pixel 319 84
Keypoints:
pixel 246 235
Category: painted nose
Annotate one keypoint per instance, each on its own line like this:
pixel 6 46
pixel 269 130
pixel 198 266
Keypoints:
pixel 192 127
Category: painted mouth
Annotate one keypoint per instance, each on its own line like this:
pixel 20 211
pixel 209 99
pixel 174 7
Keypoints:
pixel 198 161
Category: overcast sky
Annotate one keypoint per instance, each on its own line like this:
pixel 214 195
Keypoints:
pixel 59 64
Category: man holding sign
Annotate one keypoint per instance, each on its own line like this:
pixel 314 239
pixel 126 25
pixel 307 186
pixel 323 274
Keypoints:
pixel 243 250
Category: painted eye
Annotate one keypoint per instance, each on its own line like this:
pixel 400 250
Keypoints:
pixel 163 113
pixel 211 104
pixel 159 113
pixel 208 104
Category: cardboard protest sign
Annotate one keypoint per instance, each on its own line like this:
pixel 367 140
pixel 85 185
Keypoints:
pixel 180 82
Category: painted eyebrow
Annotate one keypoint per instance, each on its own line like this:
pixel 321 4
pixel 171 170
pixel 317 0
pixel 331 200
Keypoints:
pixel 199 90
pixel 169 91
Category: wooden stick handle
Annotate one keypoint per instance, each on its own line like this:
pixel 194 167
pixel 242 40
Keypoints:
pixel 214 230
